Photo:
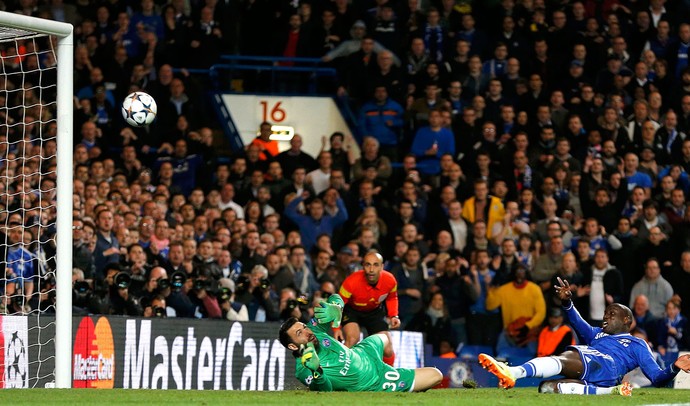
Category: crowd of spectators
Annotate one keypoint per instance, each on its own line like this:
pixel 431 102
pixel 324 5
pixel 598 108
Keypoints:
pixel 503 144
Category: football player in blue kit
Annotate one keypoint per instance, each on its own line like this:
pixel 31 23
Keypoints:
pixel 597 367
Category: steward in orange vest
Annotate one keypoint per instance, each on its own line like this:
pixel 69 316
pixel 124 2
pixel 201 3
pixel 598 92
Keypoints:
pixel 554 338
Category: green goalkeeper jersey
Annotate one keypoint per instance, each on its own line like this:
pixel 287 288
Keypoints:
pixel 357 369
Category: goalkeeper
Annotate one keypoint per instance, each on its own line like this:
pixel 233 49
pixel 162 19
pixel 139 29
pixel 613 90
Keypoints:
pixel 324 364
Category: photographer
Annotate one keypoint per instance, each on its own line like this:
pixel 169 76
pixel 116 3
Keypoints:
pixel 122 301
pixel 81 256
pixel 178 304
pixel 254 291
pixel 232 310
pixel 175 261
pixel 137 267
pixel 155 307
pixel 204 259
pixel 202 294
pixel 85 299
pixel 293 306
pixel 46 297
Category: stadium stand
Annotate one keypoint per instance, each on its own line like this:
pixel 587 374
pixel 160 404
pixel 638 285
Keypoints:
pixel 577 113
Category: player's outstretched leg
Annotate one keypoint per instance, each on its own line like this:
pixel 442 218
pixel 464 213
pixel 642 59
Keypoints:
pixel 426 378
pixel 506 379
pixel 568 364
pixel 577 387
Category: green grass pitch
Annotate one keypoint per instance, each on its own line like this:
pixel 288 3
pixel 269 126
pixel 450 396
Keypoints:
pixel 457 397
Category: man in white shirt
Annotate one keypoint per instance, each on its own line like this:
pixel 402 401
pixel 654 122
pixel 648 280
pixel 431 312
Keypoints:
pixel 320 177
pixel 227 194
pixel 606 285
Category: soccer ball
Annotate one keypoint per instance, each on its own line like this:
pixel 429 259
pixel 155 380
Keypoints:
pixel 139 109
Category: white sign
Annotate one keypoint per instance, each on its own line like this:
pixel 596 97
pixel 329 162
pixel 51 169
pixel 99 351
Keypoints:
pixel 682 380
pixel 15 354
pixel 310 117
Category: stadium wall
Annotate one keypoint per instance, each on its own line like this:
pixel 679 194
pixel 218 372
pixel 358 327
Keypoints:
pixel 241 114
pixel 121 352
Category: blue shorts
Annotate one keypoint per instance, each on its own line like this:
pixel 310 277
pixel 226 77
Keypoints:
pixel 599 369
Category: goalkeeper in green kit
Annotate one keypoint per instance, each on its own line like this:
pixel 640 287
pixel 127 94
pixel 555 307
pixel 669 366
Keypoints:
pixel 325 364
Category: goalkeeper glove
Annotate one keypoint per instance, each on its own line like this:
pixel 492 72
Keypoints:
pixel 310 359
pixel 328 312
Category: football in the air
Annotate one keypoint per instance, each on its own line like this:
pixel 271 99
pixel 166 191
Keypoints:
pixel 139 109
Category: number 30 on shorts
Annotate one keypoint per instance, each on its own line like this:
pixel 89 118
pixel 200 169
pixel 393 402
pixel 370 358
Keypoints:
pixel 391 376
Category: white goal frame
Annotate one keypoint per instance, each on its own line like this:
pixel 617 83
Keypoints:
pixel 63 277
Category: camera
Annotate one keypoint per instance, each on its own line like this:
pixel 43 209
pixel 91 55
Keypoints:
pixel 177 280
pixel 293 303
pixel 81 287
pixel 201 284
pixel 122 280
pixel 242 282
pixel 158 311
pixel 295 308
pixel 163 283
pixel 224 294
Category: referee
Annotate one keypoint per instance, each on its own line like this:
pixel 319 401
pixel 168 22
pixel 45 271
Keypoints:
pixel 364 292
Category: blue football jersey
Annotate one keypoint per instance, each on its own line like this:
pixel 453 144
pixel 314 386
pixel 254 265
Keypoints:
pixel 21 262
pixel 628 352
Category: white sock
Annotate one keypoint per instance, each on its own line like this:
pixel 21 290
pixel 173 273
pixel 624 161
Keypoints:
pixel 567 388
pixel 543 367
pixel 518 372
pixel 602 391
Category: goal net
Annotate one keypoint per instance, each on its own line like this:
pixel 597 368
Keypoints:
pixel 35 237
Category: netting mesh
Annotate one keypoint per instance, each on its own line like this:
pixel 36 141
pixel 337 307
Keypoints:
pixel 28 90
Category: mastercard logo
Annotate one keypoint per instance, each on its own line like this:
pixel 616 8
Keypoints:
pixel 93 363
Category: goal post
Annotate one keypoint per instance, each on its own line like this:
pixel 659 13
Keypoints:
pixel 17 26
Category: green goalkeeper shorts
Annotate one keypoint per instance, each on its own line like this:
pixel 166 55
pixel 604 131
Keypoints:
pixel 390 379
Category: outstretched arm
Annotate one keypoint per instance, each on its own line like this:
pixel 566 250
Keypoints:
pixel 582 328
pixel 658 376
pixel 309 370
pixel 291 209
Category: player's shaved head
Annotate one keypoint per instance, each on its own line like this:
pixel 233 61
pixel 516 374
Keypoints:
pixel 626 312
pixel 618 319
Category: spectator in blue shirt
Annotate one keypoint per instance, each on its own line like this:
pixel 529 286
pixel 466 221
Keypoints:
pixel 431 142
pixel 148 17
pixel 185 167
pixel 20 263
pixel 634 177
pixel 382 118
pixel 317 222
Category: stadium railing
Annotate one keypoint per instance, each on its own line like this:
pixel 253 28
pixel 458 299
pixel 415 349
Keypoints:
pixel 223 74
